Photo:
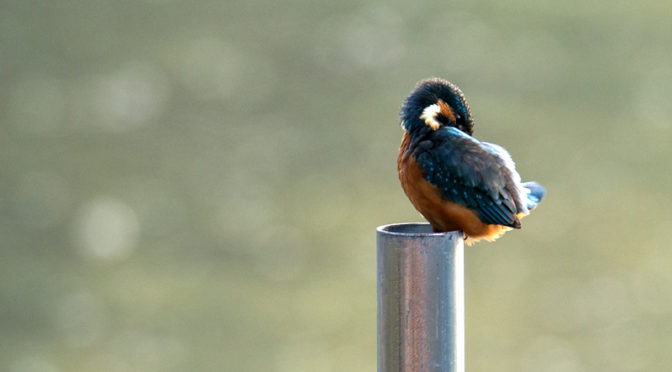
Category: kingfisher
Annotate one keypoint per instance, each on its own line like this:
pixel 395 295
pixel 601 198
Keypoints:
pixel 454 180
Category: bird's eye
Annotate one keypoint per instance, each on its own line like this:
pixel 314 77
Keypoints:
pixel 458 117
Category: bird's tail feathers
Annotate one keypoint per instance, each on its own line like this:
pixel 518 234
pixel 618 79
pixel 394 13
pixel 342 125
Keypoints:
pixel 535 193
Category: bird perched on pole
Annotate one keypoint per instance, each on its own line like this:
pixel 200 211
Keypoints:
pixel 455 181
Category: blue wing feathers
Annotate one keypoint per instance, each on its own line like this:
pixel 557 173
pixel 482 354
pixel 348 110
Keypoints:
pixel 468 174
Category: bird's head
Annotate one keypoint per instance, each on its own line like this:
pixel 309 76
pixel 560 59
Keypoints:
pixel 435 103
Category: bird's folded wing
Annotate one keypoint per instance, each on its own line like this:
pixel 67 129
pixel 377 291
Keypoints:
pixel 467 174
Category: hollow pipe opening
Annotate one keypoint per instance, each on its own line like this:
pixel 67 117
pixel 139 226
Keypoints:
pixel 410 228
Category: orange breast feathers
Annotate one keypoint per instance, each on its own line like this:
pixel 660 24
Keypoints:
pixel 442 214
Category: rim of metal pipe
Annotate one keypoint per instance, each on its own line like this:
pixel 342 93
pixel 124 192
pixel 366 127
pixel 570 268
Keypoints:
pixel 411 229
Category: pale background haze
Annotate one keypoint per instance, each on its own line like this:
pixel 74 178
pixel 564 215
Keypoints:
pixel 195 186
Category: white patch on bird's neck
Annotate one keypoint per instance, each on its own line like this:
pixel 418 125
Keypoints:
pixel 429 116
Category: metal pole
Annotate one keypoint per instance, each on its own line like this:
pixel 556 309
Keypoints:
pixel 420 299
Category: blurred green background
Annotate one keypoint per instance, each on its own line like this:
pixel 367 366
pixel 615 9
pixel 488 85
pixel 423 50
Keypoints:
pixel 195 186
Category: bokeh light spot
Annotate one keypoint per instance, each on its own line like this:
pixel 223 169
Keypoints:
pixel 129 98
pixel 107 229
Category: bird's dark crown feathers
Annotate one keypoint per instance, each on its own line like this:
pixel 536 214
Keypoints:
pixel 430 92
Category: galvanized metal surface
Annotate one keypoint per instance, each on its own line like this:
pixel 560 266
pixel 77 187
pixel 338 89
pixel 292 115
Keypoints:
pixel 420 299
